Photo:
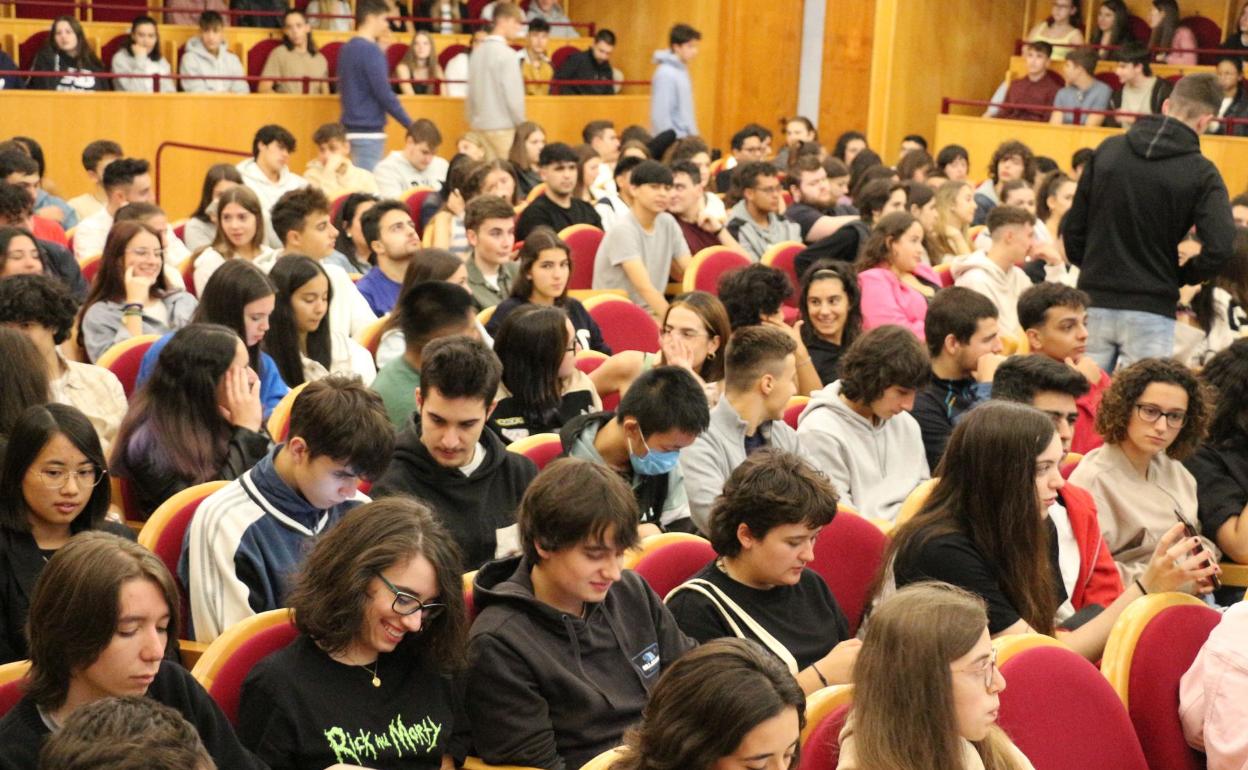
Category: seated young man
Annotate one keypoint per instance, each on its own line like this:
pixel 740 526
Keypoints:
pixel 1011 160
pixel 391 236
pixel 1141 91
pixel 332 170
pixel 1037 87
pixel 445 456
pixel 112 732
pixel 996 274
pixel 601 137
pixel 746 146
pixel 95 157
pixel 416 165
pixel 568 644
pixel 490 224
pixel 427 311
pixel 268 172
pixel 763 528
pixel 206 54
pixel 687 204
pixel 755 221
pixel 646 248
pixel 594 63
pixel 859 430
pixel 814 204
pixel 662 413
pixel 1055 318
pixel 1089 575
pixel 760 369
pixel 249 537
pixel 618 200
pixel 1082 91
pixel 301 221
pixel 556 208
pixel 962 339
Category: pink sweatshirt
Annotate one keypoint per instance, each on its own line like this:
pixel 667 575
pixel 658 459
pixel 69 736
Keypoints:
pixel 886 300
pixel 1213 694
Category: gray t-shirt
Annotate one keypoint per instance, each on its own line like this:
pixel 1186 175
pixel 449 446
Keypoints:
pixel 1095 98
pixel 627 241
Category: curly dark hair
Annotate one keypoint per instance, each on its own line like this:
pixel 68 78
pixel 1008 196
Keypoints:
pixel 750 293
pixel 884 357
pixel 40 300
pixel 1016 148
pixel 1227 376
pixel 1119 402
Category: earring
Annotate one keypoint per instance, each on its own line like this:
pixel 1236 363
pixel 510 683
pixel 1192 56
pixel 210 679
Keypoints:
pixel 710 356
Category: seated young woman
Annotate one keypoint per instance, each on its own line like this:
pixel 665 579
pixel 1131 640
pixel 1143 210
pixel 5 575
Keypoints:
pixel 831 315
pixel 1151 418
pixel 53 485
pixel 541 388
pixel 445 229
pixel 1220 465
pixel 894 281
pixel 240 234
pixel 131 295
pixel 936 703
pixel 238 296
pixel 984 527
pixel 351 251
pixel 763 528
pixel 694 329
pixel 726 704
pixel 425 265
pixel 201 227
pixel 300 339
pixel 382 629
pixel 955 210
pixel 197 418
pixel 19 255
pixel 101 617
pixel 542 279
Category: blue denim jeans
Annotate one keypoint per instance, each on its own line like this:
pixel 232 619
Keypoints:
pixel 366 153
pixel 1122 337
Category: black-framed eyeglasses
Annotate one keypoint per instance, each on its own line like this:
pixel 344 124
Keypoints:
pixel 407 604
pixel 1151 413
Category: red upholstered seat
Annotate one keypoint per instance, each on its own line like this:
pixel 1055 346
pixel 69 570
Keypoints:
pixel 583 240
pixel 541 448
pixel 12 682
pixel 848 554
pixel 28 48
pixel 1063 714
pixel 394 55
pixel 414 199
pixel 1110 79
pixel 1208 36
pixel 163 532
pixel 112 12
pixel 330 52
pixel 624 326
pixel 674 563
pixel 124 358
pixel 709 265
pixel 794 409
pixel 257 55
pixel 781 256
pixel 231 656
pixel 1138 28
pixel 561 55
pixel 450 52
pixel 110 49
pixel 822 749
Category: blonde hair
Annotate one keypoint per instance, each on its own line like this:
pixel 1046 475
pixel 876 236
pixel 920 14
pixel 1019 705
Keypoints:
pixel 938 244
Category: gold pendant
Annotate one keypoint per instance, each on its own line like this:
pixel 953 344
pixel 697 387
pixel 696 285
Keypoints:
pixel 376 681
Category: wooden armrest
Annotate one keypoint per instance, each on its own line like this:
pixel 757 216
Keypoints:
pixel 191 651
pixel 1234 574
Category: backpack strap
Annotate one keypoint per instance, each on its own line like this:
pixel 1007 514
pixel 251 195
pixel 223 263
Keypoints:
pixel 728 608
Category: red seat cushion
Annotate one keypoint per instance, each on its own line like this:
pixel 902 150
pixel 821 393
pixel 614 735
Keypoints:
pixel 848 554
pixel 544 453
pixel 10 694
pixel 1062 713
pixel 126 367
pixel 414 202
pixel 1163 653
pixel 626 326
pixel 784 262
pixel 673 564
pixel 584 246
pixel 822 749
pixel 714 267
pixel 561 55
pixel 330 52
pixel 228 684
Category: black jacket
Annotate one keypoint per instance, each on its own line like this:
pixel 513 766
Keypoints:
pixel 61 263
pixel 1221 473
pixel 1161 92
pixel 1238 109
pixel 473 508
pixel 550 690
pixel 582 66
pixel 1139 195
pixel 587 331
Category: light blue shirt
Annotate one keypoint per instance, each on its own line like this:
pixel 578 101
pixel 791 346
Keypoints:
pixel 1095 98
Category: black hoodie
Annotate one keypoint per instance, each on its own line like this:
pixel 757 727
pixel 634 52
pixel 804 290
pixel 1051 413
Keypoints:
pixel 1139 195
pixel 547 689
pixel 472 507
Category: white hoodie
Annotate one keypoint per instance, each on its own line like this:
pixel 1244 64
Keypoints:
pixel 268 192
pixel 874 467
pixel 977 272
pixel 196 60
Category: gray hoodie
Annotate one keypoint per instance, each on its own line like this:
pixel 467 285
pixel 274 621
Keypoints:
pixel 755 239
pixel 196 60
pixel 495 87
pixel 874 467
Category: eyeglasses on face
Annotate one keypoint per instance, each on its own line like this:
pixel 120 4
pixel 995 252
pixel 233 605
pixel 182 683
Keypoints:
pixel 407 604
pixel 1150 413
pixel 57 478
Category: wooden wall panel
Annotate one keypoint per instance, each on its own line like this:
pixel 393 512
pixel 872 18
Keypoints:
pixel 759 75
pixel 140 122
pixel 846 83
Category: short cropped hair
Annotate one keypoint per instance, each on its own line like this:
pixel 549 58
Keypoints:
pixel 1040 46
pixel 507 10
pixel 665 398
pixel 572 501
pixel 127 733
pixel 269 134
pixel 748 174
pixel 594 129
pixel 957 313
pixel 38 299
pixel 97 151
pixel 341 419
pixel 1020 378
pixel 1084 58
pixel 538 25
pixel 751 292
pixel 460 367
pixel 681 34
pixel 292 210
pixel 751 130
pixel 432 309
pixel 211 20
pixel 683 167
pixel 1006 216
pixel 366 8
pixel 1035 301
pixel 556 152
pixel 887 356
pixel 329 132
pixel 1118 404
pixel 605 36
pixel 486 207
pixel 1135 52
pixel 123 171
pixel 625 165
pixel 754 351
pixel 770 489
pixel 425 130
pixel 1195 96
pixel 650 172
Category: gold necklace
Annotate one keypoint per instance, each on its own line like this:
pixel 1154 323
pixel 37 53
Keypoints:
pixel 376 666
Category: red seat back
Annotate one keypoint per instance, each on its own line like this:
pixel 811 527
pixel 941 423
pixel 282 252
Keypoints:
pixel 414 201
pixel 1165 650
pixel 714 266
pixel 561 55
pixel 228 685
pixel 10 694
pixel 450 52
pixel 822 749
pixel 330 52
pixel 1110 79
pixel 784 261
pixel 792 412
pixel 583 242
pixel 1208 36
pixel 27 49
pixel 394 55
pixel 257 55
pixel 1062 713
pixel 1138 28
pixel 126 367
pixel 848 555
pixel 625 326
pixel 669 566
pixel 127 14
pixel 111 48
pixel 168 548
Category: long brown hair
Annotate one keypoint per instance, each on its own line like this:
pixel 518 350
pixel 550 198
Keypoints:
pixel 715 318
pixel 243 196
pixel 878 250
pixel 987 492
pixel 903 716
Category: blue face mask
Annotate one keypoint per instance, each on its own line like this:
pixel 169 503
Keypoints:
pixel 652 463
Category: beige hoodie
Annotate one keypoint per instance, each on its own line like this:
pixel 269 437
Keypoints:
pixel 977 272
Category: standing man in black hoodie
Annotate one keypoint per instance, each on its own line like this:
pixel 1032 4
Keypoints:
pixel 445 457
pixel 568 644
pixel 1138 197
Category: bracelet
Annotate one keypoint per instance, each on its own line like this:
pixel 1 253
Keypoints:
pixel 132 314
pixel 136 305
pixel 1140 585
pixel 819 674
